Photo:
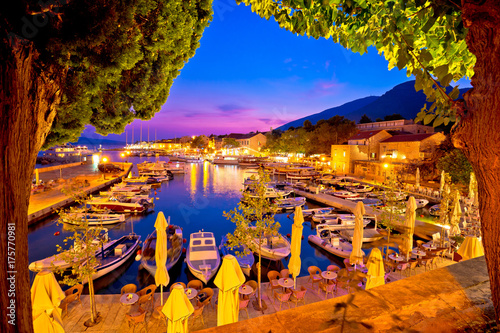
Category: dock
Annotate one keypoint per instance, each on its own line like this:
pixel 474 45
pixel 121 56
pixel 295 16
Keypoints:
pixel 75 177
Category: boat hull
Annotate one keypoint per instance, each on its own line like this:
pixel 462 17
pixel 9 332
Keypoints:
pixel 343 250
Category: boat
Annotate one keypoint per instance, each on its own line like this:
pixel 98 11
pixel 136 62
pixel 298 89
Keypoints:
pixel 347 182
pixel 344 194
pixel 56 262
pixel 272 247
pixel 174 249
pixel 434 210
pixel 327 179
pixel 290 203
pixel 271 193
pixel 303 174
pixel 340 223
pixel 421 203
pixel 328 241
pixel 246 261
pixel 331 215
pixel 227 160
pixel 92 218
pixel 369 235
pixel 115 255
pixel 314 211
pixel 121 205
pixel 360 188
pixel 202 257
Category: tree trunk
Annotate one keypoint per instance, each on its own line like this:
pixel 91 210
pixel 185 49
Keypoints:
pixel 478 134
pixel 28 96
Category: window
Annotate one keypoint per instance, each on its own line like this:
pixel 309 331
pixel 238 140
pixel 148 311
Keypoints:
pixel 344 153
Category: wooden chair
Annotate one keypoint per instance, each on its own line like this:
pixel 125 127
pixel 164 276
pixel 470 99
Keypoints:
pixel 314 275
pixel 177 283
pixel 348 265
pixel 327 288
pixel 72 294
pixel 195 284
pixel 342 280
pixel 254 286
pixel 198 313
pixel 333 268
pixel 273 277
pixel 136 318
pixel 145 300
pixel 244 306
pixel 129 288
pixel 282 298
pixel 285 273
pixel 401 267
pixel 419 244
pixel 299 295
pixel 413 267
pixel 209 292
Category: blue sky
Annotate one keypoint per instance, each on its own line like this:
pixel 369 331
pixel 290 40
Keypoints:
pixel 249 74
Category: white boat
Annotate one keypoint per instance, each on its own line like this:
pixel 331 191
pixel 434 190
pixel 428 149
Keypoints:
pixel 326 240
pixel 360 188
pixel 421 203
pixel 327 179
pixel 272 247
pixel 290 203
pixel 246 261
pixel 121 205
pixel 92 218
pixel 434 210
pixel 343 223
pixel 202 257
pixel 56 261
pixel 369 235
pixel 174 249
pixel 344 194
pixel 331 215
pixel 302 174
pixel 314 211
pixel 227 160
pixel 271 193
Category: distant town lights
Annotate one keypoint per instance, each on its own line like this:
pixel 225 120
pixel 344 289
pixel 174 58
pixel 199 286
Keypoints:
pixel 386 165
pixel 104 159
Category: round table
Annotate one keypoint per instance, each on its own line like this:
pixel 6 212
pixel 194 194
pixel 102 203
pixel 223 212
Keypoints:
pixel 129 298
pixel 328 275
pixel 397 258
pixel 245 290
pixel 418 253
pixel 429 246
pixel 286 282
pixel 191 293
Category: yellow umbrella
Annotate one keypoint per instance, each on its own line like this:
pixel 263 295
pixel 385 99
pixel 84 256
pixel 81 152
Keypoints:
pixel 357 238
pixel 376 272
pixel 228 280
pixel 177 309
pixel 37 176
pixel 46 296
pixel 472 247
pixel 161 276
pixel 297 227
pixel 411 207
pixel 417 178
pixel 456 215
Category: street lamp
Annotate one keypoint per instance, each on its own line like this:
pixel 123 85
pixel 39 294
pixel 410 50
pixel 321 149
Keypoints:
pixel 385 171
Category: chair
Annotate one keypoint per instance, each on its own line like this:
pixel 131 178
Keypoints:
pixel 298 295
pixel 348 265
pixel 195 284
pixel 72 294
pixel 327 288
pixel 282 298
pixel 177 283
pixel 402 266
pixel 198 313
pixel 424 262
pixel 136 318
pixel 333 268
pixel 285 273
pixel 273 277
pixel 342 279
pixel 244 306
pixel 314 275
pixel 145 299
pixel 419 245
pixel 413 267
pixel 129 288
pixel 254 286
pixel 209 292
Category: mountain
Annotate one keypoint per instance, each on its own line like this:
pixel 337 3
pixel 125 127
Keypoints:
pixel 402 99
pixel 343 109
pixel 96 142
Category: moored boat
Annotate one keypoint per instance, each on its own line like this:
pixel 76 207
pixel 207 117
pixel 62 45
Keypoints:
pixel 344 194
pixel 202 257
pixel 92 218
pixel 246 261
pixel 326 240
pixel 272 247
pixel 369 235
pixel 174 249
pixel 290 203
pixel 421 203
pixel 121 205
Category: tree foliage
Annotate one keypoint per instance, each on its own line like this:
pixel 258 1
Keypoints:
pixel 457 166
pixel 116 60
pixel 230 143
pixel 425 37
pixel 365 119
pixel 199 142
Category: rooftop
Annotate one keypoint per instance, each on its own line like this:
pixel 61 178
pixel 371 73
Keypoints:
pixel 409 137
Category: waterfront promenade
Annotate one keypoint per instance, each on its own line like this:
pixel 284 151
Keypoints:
pixel 454 297
pixel 82 177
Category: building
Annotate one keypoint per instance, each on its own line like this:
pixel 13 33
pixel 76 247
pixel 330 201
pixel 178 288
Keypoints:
pixel 252 142
pixel 403 125
pixel 377 152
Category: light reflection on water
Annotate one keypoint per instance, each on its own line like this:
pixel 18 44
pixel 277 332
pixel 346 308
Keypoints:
pixel 194 201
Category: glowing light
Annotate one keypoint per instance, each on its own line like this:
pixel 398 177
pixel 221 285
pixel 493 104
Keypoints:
pixel 104 159
pixel 386 165
pixel 122 155
pixel 95 159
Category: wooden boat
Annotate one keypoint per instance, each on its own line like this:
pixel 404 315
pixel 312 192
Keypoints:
pixel 115 255
pixel 174 249
pixel 202 257
pixel 92 218
pixel 56 261
pixel 290 203
pixel 246 261
pixel 326 240
pixel 272 247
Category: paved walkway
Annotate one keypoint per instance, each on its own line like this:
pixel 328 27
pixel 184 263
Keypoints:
pixel 114 313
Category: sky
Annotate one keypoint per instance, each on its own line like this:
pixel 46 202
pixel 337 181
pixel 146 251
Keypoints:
pixel 250 75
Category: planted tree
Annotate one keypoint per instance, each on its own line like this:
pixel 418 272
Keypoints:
pixel 438 42
pixel 65 64
pixel 230 143
pixel 254 220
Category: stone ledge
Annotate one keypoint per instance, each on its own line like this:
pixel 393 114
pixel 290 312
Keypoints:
pixel 449 299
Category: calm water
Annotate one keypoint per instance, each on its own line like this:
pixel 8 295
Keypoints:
pixel 195 201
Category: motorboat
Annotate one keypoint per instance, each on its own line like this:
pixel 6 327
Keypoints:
pixel 272 247
pixel 115 254
pixel 174 249
pixel 202 257
pixel 344 194
pixel 245 261
pixel 290 203
pixel 92 218
pixel 369 235
pixel 360 188
pixel 421 203
pixel 331 215
pixel 340 223
pixel 305 174
pixel 327 179
pixel 56 262
pixel 314 211
pixel 226 160
pixel 121 205
pixel 347 182
pixel 271 193
pixel 326 239
pixel 434 210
